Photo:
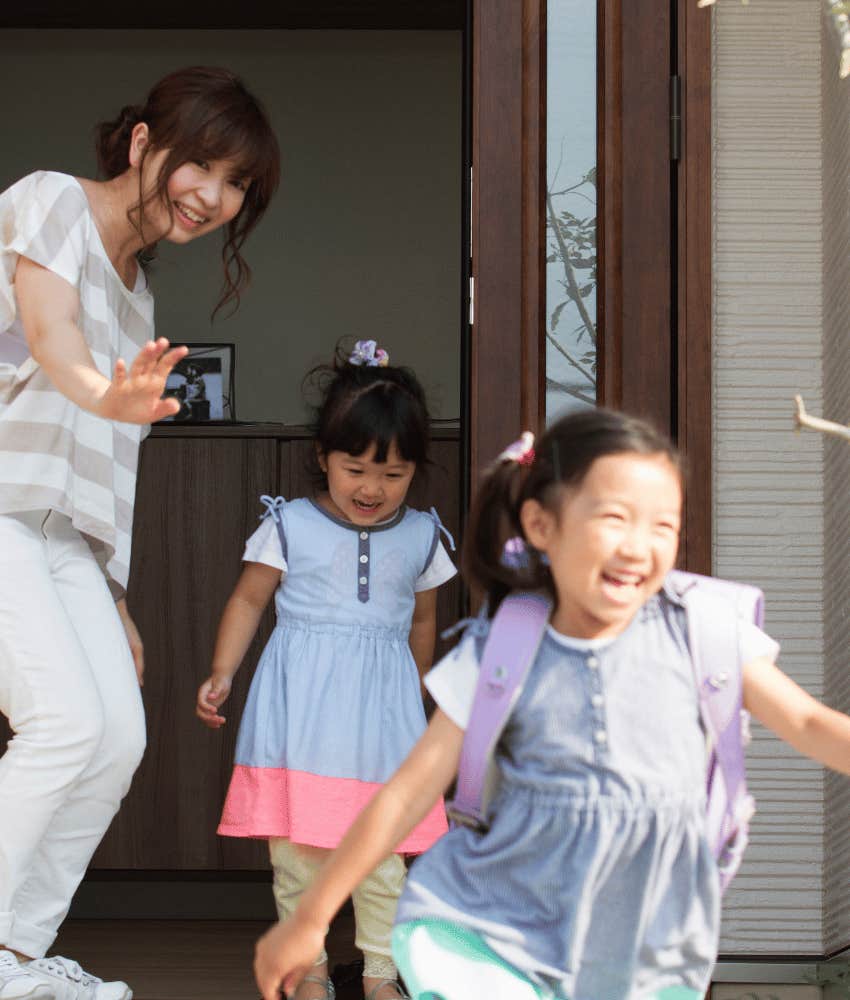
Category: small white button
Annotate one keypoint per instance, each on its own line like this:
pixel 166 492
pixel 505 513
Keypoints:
pixel 364 535
pixel 592 662
pixel 363 580
pixel 364 559
pixel 597 701
pixel 600 736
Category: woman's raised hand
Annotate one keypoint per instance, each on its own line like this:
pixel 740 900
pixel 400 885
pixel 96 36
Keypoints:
pixel 135 396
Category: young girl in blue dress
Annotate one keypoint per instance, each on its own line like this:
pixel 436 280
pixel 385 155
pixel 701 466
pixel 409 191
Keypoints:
pixel 335 704
pixel 594 880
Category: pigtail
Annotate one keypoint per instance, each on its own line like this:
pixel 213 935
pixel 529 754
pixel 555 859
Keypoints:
pixel 494 530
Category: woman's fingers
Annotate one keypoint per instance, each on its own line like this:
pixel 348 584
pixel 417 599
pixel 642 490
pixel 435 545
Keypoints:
pixel 169 358
pixel 165 408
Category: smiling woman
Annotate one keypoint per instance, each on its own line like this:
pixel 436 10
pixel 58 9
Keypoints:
pixel 198 155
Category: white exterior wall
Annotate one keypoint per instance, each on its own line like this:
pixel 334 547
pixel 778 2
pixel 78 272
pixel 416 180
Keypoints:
pixel 768 481
pixel 836 341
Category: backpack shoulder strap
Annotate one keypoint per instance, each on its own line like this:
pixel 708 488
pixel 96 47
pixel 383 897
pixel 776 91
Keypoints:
pixel 510 649
pixel 713 609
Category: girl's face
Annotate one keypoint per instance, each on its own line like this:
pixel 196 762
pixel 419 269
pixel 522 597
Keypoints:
pixel 362 490
pixel 614 539
pixel 202 195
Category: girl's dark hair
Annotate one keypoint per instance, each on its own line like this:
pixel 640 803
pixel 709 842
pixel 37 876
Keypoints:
pixel 201 113
pixel 362 405
pixel 562 458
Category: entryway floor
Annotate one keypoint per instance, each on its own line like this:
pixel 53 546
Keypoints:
pixel 184 959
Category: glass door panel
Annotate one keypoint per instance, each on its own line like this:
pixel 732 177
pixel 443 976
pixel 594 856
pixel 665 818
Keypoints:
pixel 571 206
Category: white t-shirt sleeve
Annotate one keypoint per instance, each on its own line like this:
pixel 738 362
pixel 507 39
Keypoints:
pixel 50 224
pixel 756 644
pixel 453 680
pixel 264 546
pixel 439 570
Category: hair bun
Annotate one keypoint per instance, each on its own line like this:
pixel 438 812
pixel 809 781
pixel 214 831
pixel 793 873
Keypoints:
pixel 129 117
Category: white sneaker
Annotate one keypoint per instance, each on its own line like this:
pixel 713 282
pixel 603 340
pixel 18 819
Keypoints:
pixel 18 983
pixel 67 981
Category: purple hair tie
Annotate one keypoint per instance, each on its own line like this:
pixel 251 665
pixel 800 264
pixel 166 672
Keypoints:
pixel 367 352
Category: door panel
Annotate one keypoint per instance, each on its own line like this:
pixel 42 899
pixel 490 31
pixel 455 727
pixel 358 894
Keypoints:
pixel 653 296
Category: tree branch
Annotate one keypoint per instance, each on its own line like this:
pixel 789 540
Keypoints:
pixel 803 419
pixel 573 361
pixel 572 284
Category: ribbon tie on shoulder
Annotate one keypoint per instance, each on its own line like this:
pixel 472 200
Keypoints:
pixel 436 519
pixel 477 626
pixel 273 506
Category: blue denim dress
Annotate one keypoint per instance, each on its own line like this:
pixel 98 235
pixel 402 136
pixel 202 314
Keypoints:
pixel 595 877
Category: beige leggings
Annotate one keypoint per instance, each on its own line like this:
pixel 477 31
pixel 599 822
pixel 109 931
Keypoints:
pixel 295 866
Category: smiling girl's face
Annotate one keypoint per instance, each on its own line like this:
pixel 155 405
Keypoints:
pixel 362 490
pixel 612 541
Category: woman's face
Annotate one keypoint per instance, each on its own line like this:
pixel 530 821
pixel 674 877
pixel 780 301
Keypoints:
pixel 202 196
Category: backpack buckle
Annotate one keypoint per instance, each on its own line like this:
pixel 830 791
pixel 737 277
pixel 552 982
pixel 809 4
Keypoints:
pixel 460 818
pixel 497 681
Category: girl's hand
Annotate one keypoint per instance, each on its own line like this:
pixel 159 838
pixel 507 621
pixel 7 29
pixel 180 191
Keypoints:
pixel 134 640
pixel 211 695
pixel 285 954
pixel 134 397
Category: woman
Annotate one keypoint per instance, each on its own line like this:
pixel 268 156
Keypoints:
pixel 197 156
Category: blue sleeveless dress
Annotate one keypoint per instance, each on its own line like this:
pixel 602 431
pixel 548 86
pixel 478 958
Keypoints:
pixel 335 705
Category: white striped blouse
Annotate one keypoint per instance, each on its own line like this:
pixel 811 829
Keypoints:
pixel 54 455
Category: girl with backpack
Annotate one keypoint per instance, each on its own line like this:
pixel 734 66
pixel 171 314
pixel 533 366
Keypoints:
pixel 335 704
pixel 593 876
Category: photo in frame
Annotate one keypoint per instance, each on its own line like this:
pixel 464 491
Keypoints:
pixel 203 384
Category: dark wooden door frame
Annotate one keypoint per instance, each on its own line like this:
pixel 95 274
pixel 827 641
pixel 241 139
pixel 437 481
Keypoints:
pixel 654 230
pixel 508 233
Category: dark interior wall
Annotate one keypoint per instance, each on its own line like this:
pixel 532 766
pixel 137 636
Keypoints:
pixel 364 235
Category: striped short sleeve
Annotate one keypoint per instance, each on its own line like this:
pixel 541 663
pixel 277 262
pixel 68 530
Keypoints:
pixel 53 454
pixel 48 223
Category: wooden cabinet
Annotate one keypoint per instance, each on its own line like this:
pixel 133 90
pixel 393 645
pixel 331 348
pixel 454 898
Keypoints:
pixel 197 501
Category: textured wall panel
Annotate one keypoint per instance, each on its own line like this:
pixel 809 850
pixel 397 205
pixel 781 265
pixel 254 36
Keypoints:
pixel 768 518
pixel 836 341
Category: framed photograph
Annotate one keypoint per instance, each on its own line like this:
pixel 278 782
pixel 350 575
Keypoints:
pixel 203 385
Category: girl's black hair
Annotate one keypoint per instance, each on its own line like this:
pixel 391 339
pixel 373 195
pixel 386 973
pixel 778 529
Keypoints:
pixel 200 113
pixel 563 457
pixel 362 405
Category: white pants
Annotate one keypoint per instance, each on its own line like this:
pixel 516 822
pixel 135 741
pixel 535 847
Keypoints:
pixel 68 688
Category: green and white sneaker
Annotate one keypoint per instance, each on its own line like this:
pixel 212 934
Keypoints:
pixel 18 983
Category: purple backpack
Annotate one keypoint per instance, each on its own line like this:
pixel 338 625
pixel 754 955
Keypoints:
pixel 713 608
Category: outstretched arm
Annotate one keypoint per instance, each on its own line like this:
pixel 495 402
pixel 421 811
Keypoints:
pixel 285 954
pixel 795 716
pixel 49 307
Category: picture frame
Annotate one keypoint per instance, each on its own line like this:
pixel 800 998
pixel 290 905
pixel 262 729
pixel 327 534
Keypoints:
pixel 204 384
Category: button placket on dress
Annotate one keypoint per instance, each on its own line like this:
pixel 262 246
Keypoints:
pixel 363 563
pixel 597 702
